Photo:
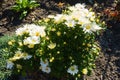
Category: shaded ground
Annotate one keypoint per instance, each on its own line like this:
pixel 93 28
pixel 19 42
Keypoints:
pixel 108 63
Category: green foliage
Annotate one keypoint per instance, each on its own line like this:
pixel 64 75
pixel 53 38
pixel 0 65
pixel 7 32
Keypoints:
pixel 4 73
pixel 23 6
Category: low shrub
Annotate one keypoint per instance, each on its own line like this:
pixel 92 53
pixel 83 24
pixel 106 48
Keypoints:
pixel 62 45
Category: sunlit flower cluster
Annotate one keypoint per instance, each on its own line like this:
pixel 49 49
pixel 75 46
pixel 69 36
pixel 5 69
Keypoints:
pixel 28 37
pixel 79 15
pixel 32 30
pixel 34 33
pixel 18 55
pixel 61 45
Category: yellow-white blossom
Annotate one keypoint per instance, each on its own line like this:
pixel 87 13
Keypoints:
pixel 44 63
pixel 46 69
pixel 20 31
pixel 10 43
pixel 84 71
pixel 31 40
pixel 87 28
pixel 18 55
pixel 38 31
pixel 83 20
pixel 51 16
pixel 52 45
pixel 59 18
pixel 91 27
pixel 70 23
pixel 32 30
pixel 73 69
pixel 79 6
pixel 26 56
pixel 95 27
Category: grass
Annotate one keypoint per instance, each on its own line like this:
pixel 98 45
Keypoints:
pixel 4 73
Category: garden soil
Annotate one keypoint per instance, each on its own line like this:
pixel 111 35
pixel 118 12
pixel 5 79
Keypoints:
pixel 108 62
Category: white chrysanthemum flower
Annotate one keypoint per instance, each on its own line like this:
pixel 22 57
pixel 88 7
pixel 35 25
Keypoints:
pixel 18 55
pixel 25 41
pixel 26 56
pixel 46 69
pixel 76 15
pixel 44 63
pixel 85 11
pixel 71 8
pixel 10 64
pixel 79 6
pixel 25 29
pixel 21 31
pixel 87 28
pixel 59 18
pixel 73 69
pixel 95 27
pixel 90 15
pixel 31 40
pixel 70 23
pixel 91 27
pixel 51 16
pixel 32 29
pixel 83 21
pixel 52 45
pixel 38 31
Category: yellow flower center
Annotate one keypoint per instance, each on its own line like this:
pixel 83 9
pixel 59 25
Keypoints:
pixel 58 33
pixel 72 68
pixel 18 55
pixel 31 46
pixel 37 34
pixel 88 27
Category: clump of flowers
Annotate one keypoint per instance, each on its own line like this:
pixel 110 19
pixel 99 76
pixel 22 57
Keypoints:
pixel 63 45
pixel 25 48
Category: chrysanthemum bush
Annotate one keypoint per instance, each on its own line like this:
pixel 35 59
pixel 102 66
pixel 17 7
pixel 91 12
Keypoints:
pixel 61 45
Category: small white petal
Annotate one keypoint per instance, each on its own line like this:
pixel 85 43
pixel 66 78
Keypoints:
pixel 46 69
pixel 44 63
pixel 10 65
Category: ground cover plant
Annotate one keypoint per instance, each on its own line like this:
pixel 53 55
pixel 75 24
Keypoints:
pixel 4 73
pixel 62 45
pixel 24 6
